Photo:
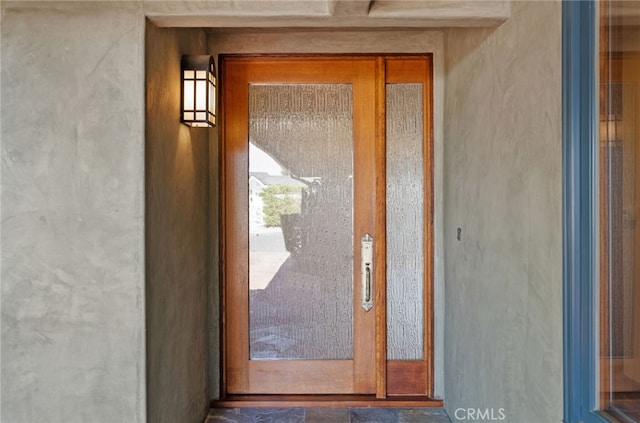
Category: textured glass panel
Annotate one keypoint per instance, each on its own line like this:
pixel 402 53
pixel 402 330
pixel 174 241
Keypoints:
pixel 201 95
pixel 620 168
pixel 189 93
pixel 301 221
pixel 405 211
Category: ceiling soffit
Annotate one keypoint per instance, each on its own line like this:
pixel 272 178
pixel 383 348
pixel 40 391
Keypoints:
pixel 327 13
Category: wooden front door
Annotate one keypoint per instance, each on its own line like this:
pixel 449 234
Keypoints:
pixel 306 276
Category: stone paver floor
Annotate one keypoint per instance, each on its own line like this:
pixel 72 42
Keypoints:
pixel 328 415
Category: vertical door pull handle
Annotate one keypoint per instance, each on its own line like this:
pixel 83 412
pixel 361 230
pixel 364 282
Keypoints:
pixel 366 244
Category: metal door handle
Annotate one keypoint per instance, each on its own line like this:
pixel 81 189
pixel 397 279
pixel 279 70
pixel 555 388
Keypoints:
pixel 367 269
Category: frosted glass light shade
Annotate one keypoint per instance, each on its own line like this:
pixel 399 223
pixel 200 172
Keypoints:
pixel 198 75
pixel 610 128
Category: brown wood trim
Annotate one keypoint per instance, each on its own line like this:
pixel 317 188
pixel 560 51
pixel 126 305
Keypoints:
pixel 222 227
pixel 304 376
pixel 364 215
pixel 236 245
pixel 318 401
pixel 237 57
pixel 428 232
pixel 380 306
pixel 407 377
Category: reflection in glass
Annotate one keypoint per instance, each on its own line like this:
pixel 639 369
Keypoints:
pixel 619 207
pixel 405 222
pixel 301 221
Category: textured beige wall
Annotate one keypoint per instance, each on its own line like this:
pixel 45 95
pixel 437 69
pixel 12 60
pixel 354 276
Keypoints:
pixel 177 185
pixel 72 213
pixel 503 176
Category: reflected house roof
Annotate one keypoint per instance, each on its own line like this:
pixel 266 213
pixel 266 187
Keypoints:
pixel 267 179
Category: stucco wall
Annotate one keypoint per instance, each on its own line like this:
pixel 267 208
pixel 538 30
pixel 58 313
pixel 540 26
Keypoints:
pixel 177 184
pixel 72 213
pixel 72 209
pixel 503 172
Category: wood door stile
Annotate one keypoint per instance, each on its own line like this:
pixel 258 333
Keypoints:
pixel 381 244
pixel 364 222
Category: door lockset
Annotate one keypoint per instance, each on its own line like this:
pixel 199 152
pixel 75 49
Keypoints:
pixel 366 261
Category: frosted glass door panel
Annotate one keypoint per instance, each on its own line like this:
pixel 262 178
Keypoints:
pixel 405 222
pixel 300 221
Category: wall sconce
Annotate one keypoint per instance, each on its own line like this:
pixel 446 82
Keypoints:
pixel 198 91
pixel 611 112
pixel 610 128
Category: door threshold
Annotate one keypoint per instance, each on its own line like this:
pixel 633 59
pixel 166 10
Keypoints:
pixel 319 401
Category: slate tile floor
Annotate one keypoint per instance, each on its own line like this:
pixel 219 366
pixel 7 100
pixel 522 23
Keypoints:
pixel 328 415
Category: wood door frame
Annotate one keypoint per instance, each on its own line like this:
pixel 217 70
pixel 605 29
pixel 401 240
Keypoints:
pixel 406 377
pixel 392 377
